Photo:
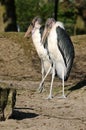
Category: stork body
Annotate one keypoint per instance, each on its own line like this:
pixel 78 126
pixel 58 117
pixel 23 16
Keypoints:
pixel 36 31
pixel 61 51
pixel 43 55
pixel 54 51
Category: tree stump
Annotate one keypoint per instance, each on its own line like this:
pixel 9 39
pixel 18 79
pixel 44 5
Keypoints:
pixel 7 100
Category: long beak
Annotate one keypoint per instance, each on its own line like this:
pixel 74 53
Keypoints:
pixel 28 32
pixel 45 35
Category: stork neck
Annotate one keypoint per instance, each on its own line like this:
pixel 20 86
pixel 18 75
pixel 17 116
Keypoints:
pixel 36 28
pixel 36 36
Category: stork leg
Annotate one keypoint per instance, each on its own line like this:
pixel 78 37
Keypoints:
pixel 63 95
pixel 41 86
pixel 43 73
pixel 53 75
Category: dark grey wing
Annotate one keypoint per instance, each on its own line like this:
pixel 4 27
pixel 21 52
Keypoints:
pixel 66 48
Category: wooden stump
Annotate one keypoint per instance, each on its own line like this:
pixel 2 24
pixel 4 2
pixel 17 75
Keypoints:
pixel 7 101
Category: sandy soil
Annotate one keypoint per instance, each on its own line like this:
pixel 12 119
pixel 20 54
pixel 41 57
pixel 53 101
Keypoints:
pixel 20 66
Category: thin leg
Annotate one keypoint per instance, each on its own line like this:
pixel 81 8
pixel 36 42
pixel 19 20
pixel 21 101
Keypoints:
pixel 53 75
pixel 43 72
pixel 41 84
pixel 42 69
pixel 63 95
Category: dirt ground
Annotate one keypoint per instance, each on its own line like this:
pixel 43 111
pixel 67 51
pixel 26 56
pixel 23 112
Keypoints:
pixel 20 66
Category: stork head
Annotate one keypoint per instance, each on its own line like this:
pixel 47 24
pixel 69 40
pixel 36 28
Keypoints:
pixel 48 25
pixel 36 23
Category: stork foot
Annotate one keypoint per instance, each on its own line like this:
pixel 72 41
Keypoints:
pixel 62 97
pixel 49 97
pixel 40 89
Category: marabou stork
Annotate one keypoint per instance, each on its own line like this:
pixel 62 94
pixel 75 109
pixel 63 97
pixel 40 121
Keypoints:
pixel 36 30
pixel 61 51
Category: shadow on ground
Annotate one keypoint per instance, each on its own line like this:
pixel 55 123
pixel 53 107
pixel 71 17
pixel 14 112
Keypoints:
pixel 79 85
pixel 20 115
